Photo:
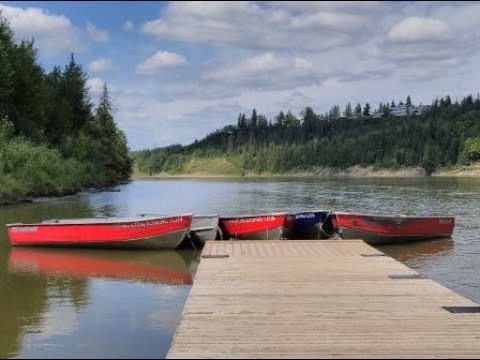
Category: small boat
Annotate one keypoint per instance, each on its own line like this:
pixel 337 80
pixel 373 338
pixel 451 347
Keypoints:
pixel 256 227
pixel 143 232
pixel 308 225
pixel 383 229
pixel 204 227
pixel 164 267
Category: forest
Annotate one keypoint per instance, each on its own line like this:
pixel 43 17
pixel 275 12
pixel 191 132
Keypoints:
pixel 445 134
pixel 53 140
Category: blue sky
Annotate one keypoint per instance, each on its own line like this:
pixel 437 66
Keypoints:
pixel 179 70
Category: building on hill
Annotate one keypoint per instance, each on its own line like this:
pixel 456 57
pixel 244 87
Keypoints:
pixel 403 110
pixel 420 109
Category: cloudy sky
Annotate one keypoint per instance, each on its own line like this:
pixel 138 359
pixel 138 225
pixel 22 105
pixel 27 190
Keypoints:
pixel 180 70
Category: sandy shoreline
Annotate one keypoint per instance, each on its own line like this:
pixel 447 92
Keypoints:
pixel 355 171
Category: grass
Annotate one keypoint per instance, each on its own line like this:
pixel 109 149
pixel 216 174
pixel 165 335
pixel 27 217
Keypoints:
pixel 30 170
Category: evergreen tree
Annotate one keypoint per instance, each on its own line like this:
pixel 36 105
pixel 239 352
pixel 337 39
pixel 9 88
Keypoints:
pixel 366 110
pixel 114 150
pixel 74 87
pixel 253 119
pixel 242 128
pixel 334 112
pixel 291 120
pixel 385 110
pixel 408 102
pixel 28 96
pixel 309 123
pixel 253 127
pixel 348 111
pixel 51 143
pixel 6 78
pixel 437 140
pixel 280 118
pixel 448 101
pixel 358 111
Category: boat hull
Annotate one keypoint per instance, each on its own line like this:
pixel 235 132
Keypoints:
pixel 377 230
pixel 204 228
pixel 154 233
pixel 308 225
pixel 257 227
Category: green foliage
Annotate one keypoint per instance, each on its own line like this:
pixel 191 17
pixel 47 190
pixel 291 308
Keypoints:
pixel 7 130
pixel 471 151
pixel 50 141
pixel 103 144
pixel 28 169
pixel 432 140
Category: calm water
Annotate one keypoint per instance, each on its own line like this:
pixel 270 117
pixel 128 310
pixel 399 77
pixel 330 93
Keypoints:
pixel 106 303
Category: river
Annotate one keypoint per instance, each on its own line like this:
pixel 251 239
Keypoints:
pixel 62 303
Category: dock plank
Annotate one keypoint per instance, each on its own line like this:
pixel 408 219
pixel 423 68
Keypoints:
pixel 318 299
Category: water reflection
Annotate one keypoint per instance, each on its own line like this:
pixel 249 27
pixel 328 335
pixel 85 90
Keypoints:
pixel 25 300
pixel 167 267
pixel 103 303
pixel 419 250
pixel 47 293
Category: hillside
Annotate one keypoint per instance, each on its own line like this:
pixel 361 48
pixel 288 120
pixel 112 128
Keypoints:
pixel 445 135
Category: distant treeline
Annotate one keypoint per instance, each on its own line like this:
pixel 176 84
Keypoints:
pixel 447 133
pixel 52 139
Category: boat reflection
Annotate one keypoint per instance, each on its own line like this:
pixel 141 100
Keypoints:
pixel 417 250
pixel 167 267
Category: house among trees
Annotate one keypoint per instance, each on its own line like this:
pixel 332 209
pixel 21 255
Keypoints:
pixel 407 109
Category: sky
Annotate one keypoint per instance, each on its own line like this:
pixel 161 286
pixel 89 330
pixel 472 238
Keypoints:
pixel 177 71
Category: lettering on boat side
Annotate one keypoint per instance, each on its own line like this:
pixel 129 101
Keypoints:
pixel 24 229
pixel 444 221
pixel 305 216
pixel 257 219
pixel 153 222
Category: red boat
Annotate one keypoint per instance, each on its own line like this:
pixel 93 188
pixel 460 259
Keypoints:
pixel 382 229
pixel 256 227
pixel 155 267
pixel 165 232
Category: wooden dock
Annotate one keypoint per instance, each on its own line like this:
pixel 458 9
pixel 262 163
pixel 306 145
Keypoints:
pixel 319 299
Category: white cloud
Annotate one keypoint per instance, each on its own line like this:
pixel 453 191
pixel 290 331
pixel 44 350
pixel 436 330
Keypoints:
pixel 128 25
pixel 301 63
pixel 288 55
pixel 276 56
pixel 60 319
pixel 296 100
pixel 101 65
pixel 346 6
pixel 95 85
pixel 265 26
pixel 421 48
pixel 53 34
pixel 265 71
pixel 96 34
pixel 420 29
pixel 462 16
pixel 160 60
pixel 182 121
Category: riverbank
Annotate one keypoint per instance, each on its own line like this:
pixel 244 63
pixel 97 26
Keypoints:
pixel 354 171
pixel 50 197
